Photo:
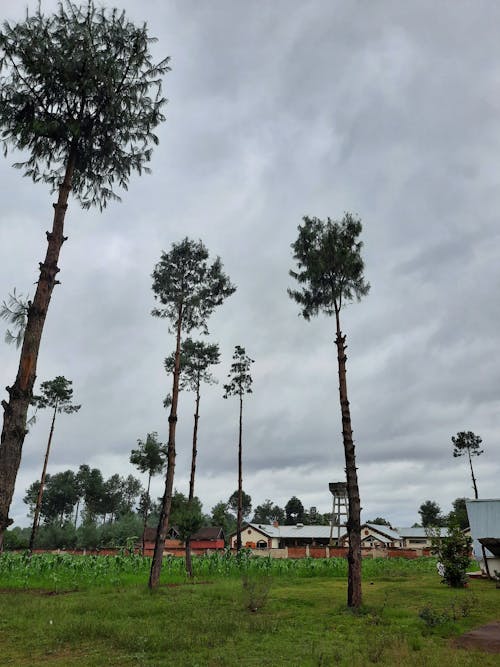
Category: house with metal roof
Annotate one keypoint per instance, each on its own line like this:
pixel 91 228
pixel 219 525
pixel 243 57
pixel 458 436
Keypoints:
pixel 418 537
pixel 274 536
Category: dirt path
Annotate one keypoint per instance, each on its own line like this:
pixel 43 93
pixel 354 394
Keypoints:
pixel 485 638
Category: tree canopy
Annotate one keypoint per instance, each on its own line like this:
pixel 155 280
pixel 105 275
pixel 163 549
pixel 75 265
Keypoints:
pixel 80 83
pixel 430 514
pixel 187 287
pixel 329 265
pixel 57 394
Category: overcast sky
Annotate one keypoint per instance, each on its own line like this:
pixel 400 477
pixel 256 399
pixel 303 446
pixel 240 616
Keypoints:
pixel 279 109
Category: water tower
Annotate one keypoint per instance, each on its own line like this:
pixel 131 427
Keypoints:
pixel 340 510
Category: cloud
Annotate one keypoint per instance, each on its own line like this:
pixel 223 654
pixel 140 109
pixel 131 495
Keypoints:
pixel 277 110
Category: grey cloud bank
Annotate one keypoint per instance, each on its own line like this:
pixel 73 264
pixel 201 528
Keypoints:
pixel 277 110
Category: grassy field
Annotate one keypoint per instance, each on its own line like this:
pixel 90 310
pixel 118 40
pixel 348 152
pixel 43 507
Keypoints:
pixel 72 611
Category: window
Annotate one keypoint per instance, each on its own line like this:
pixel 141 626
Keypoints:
pixel 262 544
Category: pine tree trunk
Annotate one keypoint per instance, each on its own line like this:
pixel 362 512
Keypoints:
pixel 20 394
pixel 239 518
pixel 161 533
pixel 476 496
pixel 76 513
pixel 354 515
pixel 42 482
pixel 189 563
pixel 146 514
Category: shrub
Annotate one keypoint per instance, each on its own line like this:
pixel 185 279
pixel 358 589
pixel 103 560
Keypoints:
pixel 453 553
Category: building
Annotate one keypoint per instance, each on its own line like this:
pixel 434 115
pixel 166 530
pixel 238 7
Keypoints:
pixel 263 536
pixel 484 519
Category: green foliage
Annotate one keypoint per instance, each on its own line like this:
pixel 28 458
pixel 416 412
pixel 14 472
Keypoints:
pixel 80 84
pixel 294 511
pixel 329 265
pixel 187 287
pixel 117 623
pixel 466 442
pixel 256 589
pixel 453 552
pixel 15 311
pixel 430 514
pixel 459 514
pixel 239 374
pixel 221 516
pixel 379 521
pixel 186 516
pixel 57 394
pixel 246 503
pixel 150 455
pixel 268 512
pixel 454 611
pixel 195 361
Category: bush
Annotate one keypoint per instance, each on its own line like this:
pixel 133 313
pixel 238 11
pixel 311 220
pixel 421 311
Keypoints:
pixel 453 553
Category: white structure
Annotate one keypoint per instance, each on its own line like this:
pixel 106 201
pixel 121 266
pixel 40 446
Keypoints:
pixel 484 519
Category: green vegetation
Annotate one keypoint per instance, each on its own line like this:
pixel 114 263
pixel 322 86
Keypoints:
pixel 407 617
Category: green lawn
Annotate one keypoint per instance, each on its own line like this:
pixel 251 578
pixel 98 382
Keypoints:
pixel 303 622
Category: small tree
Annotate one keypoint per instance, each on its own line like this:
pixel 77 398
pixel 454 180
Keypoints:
pixel 330 274
pixel 268 513
pixel 467 443
pixel 188 290
pixel 453 552
pixel 188 518
pixel 150 457
pixel 430 514
pixel 459 515
pixel 294 511
pixel 56 394
pixel 240 384
pixel 80 96
pixel 221 516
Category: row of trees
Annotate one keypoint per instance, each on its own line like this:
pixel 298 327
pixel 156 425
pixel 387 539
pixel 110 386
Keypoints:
pixel 87 133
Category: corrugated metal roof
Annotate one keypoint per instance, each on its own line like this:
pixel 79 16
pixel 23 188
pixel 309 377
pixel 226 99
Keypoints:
pixel 318 532
pixel 419 532
pixel 484 518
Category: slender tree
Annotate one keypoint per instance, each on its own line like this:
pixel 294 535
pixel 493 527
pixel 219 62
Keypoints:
pixel 59 497
pixel 81 96
pixel 467 443
pixel 150 456
pixel 195 361
pixel 188 289
pixel 240 383
pixel 56 394
pixel 330 274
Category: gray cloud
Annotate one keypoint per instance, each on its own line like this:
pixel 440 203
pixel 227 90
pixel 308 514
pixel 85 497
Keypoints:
pixel 279 110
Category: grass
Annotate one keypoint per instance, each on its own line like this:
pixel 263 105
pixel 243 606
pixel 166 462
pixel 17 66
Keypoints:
pixel 304 621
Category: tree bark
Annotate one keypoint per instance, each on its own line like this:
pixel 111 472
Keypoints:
pixel 146 514
pixel 195 443
pixel 189 562
pixel 154 576
pixel 239 517
pixel 20 394
pixel 354 514
pixel 476 496
pixel 42 482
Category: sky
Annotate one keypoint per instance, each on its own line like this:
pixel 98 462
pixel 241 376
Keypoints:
pixel 278 110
